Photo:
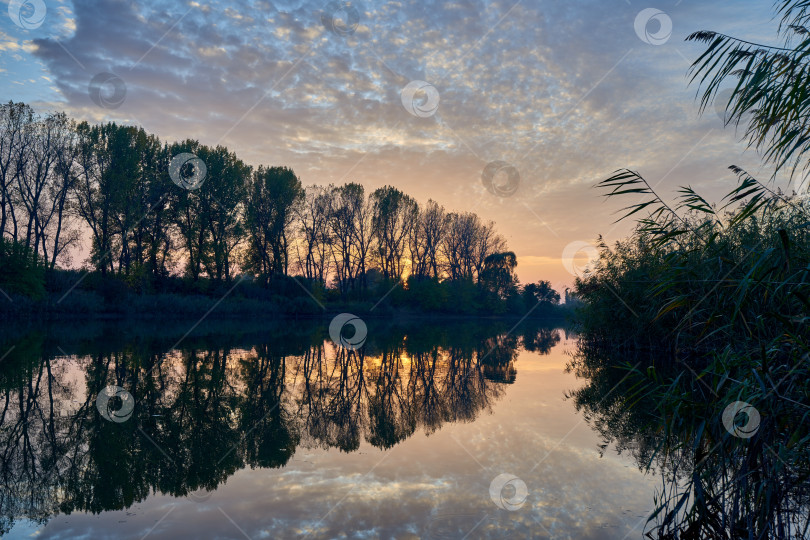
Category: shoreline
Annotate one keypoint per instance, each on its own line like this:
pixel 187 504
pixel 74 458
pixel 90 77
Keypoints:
pixel 92 307
pixel 563 316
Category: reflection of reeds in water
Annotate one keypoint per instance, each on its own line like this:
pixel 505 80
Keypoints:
pixel 716 484
pixel 206 410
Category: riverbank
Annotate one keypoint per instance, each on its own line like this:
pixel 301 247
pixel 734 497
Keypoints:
pixel 90 305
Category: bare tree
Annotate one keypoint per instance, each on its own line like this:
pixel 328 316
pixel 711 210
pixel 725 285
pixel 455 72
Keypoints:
pixel 316 240
pixel 467 244
pixel 14 117
pixel 394 215
pixel 487 242
pixel 66 150
pixel 363 236
pixel 425 239
pixel 457 247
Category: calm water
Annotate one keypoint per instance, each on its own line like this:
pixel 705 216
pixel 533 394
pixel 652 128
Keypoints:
pixel 271 431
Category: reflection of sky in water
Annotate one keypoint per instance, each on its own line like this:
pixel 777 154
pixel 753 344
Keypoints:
pixel 434 486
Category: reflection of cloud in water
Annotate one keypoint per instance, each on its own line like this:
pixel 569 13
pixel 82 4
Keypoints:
pixel 424 441
pixel 572 491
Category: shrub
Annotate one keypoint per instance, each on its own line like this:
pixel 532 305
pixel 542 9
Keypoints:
pixel 21 271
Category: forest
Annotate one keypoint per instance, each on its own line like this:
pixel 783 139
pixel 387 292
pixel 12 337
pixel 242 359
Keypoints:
pixel 107 218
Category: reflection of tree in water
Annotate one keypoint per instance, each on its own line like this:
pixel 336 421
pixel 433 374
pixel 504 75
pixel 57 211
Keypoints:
pixel 269 440
pixel 499 352
pixel 33 434
pixel 540 340
pixel 208 410
pixel 383 398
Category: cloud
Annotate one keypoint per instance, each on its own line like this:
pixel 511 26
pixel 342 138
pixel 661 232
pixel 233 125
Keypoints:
pixel 566 92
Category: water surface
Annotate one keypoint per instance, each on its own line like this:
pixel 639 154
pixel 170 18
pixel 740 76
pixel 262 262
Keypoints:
pixel 271 431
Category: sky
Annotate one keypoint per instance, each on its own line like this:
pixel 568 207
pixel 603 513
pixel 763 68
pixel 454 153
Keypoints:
pixel 512 110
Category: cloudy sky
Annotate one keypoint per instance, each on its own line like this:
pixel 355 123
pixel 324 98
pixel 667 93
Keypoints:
pixel 560 93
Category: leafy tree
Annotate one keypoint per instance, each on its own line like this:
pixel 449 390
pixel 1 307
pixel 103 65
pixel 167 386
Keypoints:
pixel 115 180
pixel 153 236
pixel 273 195
pixel 223 193
pixel 498 276
pixel 190 216
pixel 108 170
pixel 19 271
pixel 541 292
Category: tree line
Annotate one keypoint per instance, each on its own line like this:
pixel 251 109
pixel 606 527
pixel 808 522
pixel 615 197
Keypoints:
pixel 64 181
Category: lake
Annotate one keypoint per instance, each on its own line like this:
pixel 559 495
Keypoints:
pixel 431 429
